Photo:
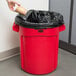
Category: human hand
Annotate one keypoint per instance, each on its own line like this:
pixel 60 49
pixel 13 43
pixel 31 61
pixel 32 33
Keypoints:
pixel 11 4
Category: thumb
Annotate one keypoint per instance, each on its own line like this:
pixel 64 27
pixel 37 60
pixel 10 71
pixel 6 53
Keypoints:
pixel 17 3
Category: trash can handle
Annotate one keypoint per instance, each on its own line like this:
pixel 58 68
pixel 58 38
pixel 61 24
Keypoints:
pixel 61 28
pixel 15 27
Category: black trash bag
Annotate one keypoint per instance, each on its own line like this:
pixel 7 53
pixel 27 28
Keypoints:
pixel 39 19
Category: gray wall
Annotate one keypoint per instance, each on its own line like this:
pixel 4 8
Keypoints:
pixel 73 38
pixel 63 7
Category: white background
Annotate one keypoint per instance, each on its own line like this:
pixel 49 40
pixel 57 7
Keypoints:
pixel 8 38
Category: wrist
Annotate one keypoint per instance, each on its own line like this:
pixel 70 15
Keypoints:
pixel 15 7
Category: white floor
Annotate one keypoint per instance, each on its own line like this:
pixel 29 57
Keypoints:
pixel 66 66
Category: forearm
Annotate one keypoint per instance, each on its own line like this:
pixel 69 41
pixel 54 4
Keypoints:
pixel 21 10
pixel 16 7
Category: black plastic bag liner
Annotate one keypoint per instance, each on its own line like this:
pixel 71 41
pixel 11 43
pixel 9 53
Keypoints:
pixel 39 19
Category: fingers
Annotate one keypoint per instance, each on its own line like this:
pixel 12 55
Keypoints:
pixel 11 9
pixel 16 7
pixel 17 3
pixel 11 4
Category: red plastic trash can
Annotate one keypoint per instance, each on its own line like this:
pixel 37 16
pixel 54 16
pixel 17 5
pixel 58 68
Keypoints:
pixel 39 48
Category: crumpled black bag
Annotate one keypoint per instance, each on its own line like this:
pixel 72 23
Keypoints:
pixel 39 19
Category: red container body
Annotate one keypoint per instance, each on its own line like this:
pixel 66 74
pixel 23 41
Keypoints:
pixel 39 48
